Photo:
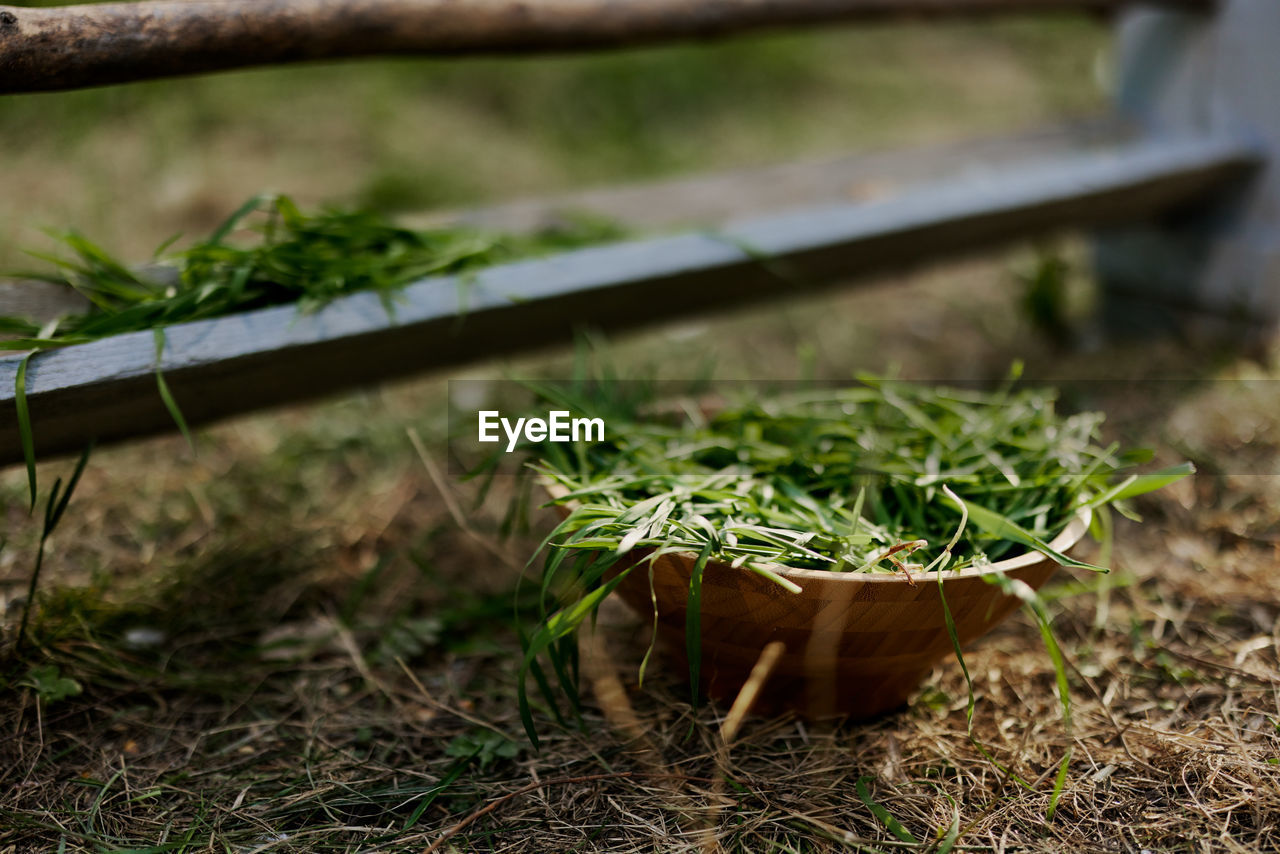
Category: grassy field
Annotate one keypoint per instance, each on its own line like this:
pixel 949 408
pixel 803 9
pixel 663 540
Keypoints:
pixel 300 637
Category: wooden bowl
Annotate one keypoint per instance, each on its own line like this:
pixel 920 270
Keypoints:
pixel 856 644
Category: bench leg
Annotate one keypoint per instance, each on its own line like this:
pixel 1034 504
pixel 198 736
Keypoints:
pixel 1216 265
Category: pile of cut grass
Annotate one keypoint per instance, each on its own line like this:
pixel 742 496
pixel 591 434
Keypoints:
pixel 307 259
pixel 850 479
pixel 291 256
pixel 858 479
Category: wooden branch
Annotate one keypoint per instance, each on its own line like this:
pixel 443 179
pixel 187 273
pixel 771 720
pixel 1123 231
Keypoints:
pixel 236 364
pixel 91 45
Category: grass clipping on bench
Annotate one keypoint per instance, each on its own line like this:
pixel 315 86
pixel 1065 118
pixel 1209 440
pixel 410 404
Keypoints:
pixel 268 252
pixel 888 476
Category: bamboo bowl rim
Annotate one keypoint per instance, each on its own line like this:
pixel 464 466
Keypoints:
pixel 1067 538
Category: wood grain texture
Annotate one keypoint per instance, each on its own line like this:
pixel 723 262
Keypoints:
pixel 218 368
pixel 91 45
pixel 856 644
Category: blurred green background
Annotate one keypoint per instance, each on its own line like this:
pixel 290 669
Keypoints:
pixel 133 165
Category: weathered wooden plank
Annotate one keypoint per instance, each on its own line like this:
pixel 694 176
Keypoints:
pixel 91 45
pixel 232 365
pixel 711 198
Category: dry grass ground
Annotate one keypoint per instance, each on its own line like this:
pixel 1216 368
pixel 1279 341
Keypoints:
pixel 287 642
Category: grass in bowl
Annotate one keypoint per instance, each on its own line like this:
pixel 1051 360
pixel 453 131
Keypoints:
pixel 882 477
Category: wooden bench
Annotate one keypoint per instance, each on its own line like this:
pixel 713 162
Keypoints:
pixel 1179 187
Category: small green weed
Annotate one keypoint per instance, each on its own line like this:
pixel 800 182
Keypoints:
pixel 49 683
pixel 483 746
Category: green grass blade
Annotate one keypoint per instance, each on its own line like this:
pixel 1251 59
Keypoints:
pixel 43 343
pixel 1141 484
pixel 429 798
pixel 544 688
pixel 971 704
pixel 1035 605
pixel 949 621
pixel 653 629
pixel 24 428
pixel 563 657
pixel 13 325
pixel 883 815
pixel 561 624
pixel 522 703
pixel 232 222
pixel 165 395
pixel 56 514
pixel 947 842
pixel 693 623
pixel 1003 528
pixel 1059 783
pixel 54 508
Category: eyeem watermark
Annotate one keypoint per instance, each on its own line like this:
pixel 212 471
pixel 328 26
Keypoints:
pixel 558 426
